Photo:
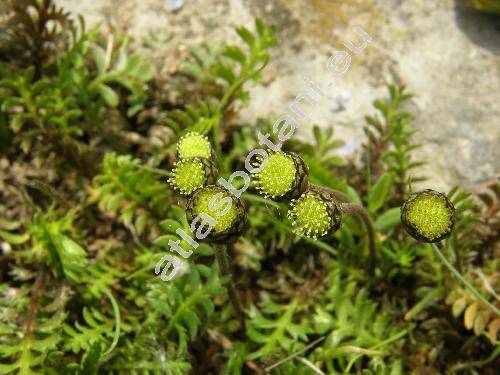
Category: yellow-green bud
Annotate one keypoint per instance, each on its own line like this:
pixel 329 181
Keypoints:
pixel 314 215
pixel 194 145
pixel 190 174
pixel 284 176
pixel 428 216
pixel 220 205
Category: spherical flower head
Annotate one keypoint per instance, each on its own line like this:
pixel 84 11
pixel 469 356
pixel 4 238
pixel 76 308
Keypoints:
pixel 227 211
pixel 428 216
pixel 194 145
pixel 283 176
pixel 314 215
pixel 190 174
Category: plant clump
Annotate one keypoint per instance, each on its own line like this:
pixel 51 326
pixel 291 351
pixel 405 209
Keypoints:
pixel 105 269
pixel 428 216
pixel 282 177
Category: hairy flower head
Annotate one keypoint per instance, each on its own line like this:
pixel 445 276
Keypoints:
pixel 283 176
pixel 191 174
pixel 227 211
pixel 428 216
pixel 314 215
pixel 192 145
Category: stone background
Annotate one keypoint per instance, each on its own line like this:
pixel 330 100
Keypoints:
pixel 446 54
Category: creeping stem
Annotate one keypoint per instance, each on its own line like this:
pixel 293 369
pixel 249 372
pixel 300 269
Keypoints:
pixel 223 261
pixel 350 209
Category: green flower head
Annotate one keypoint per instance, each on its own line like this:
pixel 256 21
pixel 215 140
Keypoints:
pixel 194 145
pixel 191 174
pixel 228 212
pixel 283 176
pixel 314 215
pixel 428 216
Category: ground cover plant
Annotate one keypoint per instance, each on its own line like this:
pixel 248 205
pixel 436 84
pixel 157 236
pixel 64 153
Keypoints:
pixel 322 266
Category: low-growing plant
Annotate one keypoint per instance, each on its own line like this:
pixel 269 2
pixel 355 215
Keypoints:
pixel 122 252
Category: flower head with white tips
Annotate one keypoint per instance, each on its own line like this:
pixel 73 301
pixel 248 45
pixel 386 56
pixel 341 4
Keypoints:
pixel 314 215
pixel 283 176
pixel 190 174
pixel 194 145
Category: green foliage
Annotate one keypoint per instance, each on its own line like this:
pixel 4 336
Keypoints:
pixel 379 192
pixel 488 6
pixel 32 31
pixel 83 337
pixel 37 108
pixel 390 147
pixel 463 241
pixel 356 327
pixel 56 107
pixel 401 256
pixel 273 328
pixel 48 239
pixel 229 67
pixel 30 331
pixel 186 302
pixel 130 72
pixel 127 189
pixel 320 157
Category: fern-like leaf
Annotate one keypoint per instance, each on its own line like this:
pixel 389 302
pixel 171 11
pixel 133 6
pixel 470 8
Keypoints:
pixel 127 189
pixel 97 328
pixel 186 301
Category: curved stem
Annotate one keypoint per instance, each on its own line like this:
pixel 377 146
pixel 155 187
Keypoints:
pixel 460 278
pixel 336 195
pixel 351 208
pixel 223 261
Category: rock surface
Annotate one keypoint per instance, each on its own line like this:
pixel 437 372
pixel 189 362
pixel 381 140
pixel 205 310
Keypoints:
pixel 446 54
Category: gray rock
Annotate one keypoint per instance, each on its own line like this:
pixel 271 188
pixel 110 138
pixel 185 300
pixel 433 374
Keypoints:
pixel 447 55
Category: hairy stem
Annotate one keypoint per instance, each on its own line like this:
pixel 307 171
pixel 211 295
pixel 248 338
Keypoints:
pixel 223 261
pixel 462 279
